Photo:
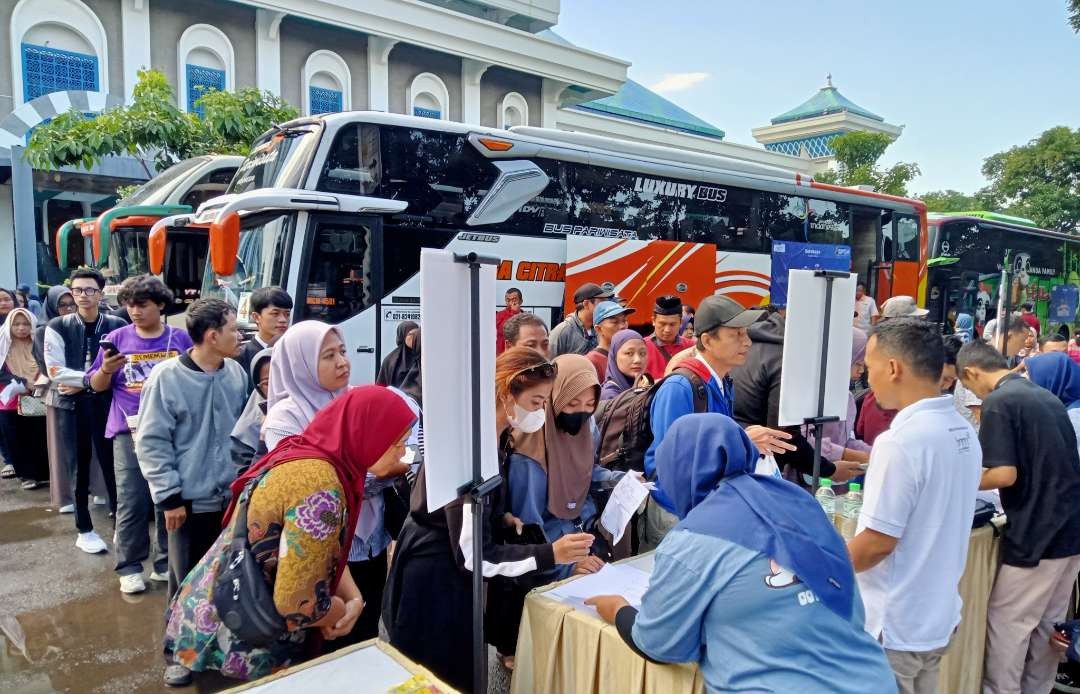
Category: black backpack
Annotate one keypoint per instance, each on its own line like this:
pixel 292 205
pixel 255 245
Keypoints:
pixel 623 421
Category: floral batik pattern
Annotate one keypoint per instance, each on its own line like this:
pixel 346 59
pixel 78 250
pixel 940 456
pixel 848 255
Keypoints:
pixel 296 527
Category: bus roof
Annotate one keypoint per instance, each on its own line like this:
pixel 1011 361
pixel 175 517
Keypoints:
pixel 656 160
pixel 1028 228
pixel 983 214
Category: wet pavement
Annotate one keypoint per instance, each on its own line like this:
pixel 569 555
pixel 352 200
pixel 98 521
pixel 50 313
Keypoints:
pixel 64 625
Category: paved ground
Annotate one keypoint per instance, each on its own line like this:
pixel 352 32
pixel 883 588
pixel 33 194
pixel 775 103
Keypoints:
pixel 64 625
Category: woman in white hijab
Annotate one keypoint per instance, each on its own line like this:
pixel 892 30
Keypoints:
pixel 309 369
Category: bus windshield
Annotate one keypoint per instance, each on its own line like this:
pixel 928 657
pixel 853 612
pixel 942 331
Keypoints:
pixel 162 181
pixel 278 161
pixel 184 261
pixel 262 261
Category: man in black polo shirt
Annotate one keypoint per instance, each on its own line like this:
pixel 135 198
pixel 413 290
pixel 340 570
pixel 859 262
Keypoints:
pixel 1030 454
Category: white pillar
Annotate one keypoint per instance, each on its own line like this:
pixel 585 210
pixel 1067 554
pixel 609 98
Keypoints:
pixel 550 91
pixel 135 41
pixel 471 73
pixel 268 50
pixel 378 65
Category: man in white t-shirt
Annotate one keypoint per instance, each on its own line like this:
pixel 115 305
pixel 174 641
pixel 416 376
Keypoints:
pixel 865 308
pixel 912 539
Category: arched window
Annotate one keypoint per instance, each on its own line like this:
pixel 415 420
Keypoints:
pixel 327 83
pixel 514 110
pixel 428 97
pixel 205 63
pixel 57 46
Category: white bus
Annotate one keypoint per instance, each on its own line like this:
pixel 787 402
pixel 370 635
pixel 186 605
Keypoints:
pixel 336 208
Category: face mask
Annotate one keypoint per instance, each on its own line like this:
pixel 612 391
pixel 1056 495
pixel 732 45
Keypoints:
pixel 571 422
pixel 409 457
pixel 527 422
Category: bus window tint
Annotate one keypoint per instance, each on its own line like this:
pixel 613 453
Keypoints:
pixel 440 174
pixel 209 186
pixel 728 223
pixel 279 161
pixel 783 217
pixel 261 261
pixel 401 252
pixel 829 223
pixel 339 275
pixel 907 238
pixel 185 260
pixel 352 164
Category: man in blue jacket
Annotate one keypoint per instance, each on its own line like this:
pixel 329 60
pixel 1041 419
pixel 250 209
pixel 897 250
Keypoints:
pixel 722 344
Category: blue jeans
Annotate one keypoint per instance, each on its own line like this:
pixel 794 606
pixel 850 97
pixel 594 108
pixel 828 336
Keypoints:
pixel 134 511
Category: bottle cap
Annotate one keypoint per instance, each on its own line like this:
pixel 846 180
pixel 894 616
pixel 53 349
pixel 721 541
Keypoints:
pixel 854 487
pixel 825 482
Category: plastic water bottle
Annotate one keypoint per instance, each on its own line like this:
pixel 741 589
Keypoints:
pixel 827 498
pixel 852 505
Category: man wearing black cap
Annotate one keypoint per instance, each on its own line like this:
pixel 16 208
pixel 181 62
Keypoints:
pixel 665 342
pixel 722 344
pixel 575 335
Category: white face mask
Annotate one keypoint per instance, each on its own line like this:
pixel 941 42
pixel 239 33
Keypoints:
pixel 409 457
pixel 527 422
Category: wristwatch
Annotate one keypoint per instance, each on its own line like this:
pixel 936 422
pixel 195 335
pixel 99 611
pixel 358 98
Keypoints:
pixel 86 383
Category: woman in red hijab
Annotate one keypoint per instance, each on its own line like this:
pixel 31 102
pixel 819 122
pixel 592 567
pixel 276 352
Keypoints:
pixel 301 520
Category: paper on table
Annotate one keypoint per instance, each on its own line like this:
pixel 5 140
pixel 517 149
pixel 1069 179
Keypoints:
pixel 14 388
pixel 625 499
pixel 614 579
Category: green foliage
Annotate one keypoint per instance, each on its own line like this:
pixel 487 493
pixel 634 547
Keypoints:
pixel 953 201
pixel 857 155
pixel 152 126
pixel 1040 180
pixel 1074 15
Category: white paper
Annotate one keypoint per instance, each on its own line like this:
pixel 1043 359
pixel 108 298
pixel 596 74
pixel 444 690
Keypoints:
pixel 447 375
pixel 614 579
pixel 624 501
pixel 363 670
pixel 803 337
pixel 13 389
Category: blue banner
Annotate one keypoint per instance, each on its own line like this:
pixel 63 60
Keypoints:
pixel 792 255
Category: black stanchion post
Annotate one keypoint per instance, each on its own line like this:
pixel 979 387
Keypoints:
pixel 818 421
pixel 479 487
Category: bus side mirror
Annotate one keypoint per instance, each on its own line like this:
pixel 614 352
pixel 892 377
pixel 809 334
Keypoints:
pixel 156 244
pixel 225 244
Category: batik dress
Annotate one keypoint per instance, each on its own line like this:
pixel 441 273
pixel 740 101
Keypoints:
pixel 296 529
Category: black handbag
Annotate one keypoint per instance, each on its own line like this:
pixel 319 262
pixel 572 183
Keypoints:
pixel 243 598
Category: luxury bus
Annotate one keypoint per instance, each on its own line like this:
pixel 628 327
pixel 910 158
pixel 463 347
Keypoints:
pixel 969 250
pixel 336 208
pixel 116 241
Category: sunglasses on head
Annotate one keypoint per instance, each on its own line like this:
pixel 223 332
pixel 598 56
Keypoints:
pixel 545 370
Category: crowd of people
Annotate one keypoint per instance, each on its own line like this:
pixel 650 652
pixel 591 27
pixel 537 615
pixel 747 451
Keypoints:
pixel 286 511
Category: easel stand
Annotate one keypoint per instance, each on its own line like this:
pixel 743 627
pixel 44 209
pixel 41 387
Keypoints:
pixel 479 487
pixel 820 420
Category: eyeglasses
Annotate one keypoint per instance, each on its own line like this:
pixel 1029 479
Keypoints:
pixel 545 370
pixel 87 291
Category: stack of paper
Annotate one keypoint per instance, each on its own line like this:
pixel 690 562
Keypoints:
pixel 614 579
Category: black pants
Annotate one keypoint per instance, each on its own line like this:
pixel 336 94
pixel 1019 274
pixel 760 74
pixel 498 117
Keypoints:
pixel 188 544
pixel 82 433
pixel 26 445
pixel 370 578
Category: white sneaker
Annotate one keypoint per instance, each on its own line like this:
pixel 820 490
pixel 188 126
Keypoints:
pixel 132 583
pixel 70 508
pixel 100 501
pixel 160 578
pixel 91 543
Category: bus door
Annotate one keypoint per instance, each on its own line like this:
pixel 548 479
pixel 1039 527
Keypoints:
pixel 341 283
pixel 865 240
pixel 897 272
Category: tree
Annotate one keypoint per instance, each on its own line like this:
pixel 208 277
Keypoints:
pixel 152 126
pixel 1074 15
pixel 857 154
pixel 1040 180
pixel 952 201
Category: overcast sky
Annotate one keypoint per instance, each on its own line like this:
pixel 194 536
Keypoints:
pixel 965 78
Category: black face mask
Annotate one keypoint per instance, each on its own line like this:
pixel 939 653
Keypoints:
pixel 571 422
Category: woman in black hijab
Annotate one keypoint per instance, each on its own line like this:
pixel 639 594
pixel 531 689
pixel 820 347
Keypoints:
pixel 401 368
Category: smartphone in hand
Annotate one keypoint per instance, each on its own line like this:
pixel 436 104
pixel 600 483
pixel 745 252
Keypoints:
pixel 110 348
